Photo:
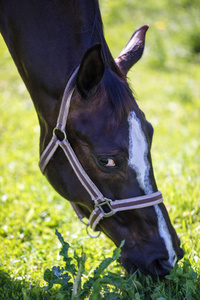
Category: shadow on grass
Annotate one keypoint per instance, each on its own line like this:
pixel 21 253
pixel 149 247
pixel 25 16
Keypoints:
pixel 15 289
pixel 182 283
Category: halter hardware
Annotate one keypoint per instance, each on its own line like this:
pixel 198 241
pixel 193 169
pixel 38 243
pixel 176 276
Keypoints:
pixel 107 204
pixel 103 207
pixel 58 131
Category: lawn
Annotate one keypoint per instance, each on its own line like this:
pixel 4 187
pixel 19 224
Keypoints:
pixel 166 82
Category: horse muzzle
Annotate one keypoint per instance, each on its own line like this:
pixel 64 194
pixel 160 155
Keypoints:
pixel 156 264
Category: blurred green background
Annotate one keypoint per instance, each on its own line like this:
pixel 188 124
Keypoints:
pixel 167 84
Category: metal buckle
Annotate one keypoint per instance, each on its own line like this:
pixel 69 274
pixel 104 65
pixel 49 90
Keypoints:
pixel 64 135
pixel 106 202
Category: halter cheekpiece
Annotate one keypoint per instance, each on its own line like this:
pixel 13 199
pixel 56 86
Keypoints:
pixel 103 207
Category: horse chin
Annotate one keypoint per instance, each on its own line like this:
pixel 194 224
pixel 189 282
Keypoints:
pixel 128 264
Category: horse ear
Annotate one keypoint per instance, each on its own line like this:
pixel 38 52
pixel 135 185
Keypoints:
pixel 91 70
pixel 132 51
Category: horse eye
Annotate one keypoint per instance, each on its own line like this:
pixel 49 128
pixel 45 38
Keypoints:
pixel 107 162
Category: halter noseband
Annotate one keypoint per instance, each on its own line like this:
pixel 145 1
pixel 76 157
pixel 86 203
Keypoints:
pixel 103 207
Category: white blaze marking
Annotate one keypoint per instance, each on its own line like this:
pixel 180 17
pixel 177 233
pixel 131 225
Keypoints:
pixel 164 233
pixel 138 161
pixel 138 150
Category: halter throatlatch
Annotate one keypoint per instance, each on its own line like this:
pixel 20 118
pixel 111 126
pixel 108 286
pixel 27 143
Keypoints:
pixel 103 207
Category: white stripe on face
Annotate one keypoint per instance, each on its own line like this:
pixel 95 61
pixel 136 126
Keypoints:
pixel 164 233
pixel 138 150
pixel 138 161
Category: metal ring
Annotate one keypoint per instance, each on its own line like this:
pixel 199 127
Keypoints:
pixel 62 131
pixel 92 236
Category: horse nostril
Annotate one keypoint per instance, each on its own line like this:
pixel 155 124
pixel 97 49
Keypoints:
pixel 166 265
pixel 160 267
pixel 163 267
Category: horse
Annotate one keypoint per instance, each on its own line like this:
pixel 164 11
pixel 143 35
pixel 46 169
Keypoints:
pixel 95 142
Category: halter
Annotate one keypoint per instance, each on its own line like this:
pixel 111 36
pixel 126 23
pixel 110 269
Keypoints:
pixel 103 207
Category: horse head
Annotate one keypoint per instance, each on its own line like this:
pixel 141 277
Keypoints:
pixel 112 140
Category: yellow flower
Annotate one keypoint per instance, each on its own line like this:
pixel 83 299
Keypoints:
pixel 160 25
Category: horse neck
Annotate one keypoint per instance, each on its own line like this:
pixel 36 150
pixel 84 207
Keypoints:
pixel 47 40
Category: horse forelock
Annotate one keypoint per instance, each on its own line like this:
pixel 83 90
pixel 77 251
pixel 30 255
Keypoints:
pixel 112 95
pixel 118 94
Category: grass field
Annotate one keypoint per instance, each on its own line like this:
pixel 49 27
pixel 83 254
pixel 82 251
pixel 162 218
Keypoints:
pixel 166 81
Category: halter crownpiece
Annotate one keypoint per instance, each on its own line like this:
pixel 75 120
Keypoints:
pixel 103 207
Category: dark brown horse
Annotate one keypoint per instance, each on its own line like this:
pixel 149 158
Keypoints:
pixel 101 144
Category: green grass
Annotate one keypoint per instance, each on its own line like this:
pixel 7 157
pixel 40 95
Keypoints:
pixel 166 81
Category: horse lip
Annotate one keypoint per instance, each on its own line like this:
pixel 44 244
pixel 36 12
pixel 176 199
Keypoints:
pixel 166 266
pixel 180 254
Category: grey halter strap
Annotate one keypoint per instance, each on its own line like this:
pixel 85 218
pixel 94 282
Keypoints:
pixel 103 207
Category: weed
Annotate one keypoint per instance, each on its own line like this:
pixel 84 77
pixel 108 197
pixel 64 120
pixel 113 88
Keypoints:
pixel 69 277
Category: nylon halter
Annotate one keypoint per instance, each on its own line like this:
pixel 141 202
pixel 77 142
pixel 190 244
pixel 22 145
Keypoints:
pixel 103 207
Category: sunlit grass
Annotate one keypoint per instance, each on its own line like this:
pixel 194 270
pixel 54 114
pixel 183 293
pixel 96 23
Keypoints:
pixel 167 87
